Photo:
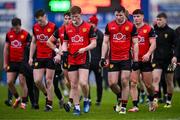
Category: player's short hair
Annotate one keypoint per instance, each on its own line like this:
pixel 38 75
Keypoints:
pixel 162 15
pixel 16 21
pixel 67 13
pixel 39 13
pixel 120 9
pixel 75 10
pixel 138 11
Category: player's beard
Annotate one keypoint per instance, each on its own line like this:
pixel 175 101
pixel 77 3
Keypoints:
pixel 74 22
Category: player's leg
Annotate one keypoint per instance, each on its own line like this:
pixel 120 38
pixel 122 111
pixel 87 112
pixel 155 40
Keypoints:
pixel 49 89
pixel 83 80
pixel 22 82
pixel 134 78
pixel 170 87
pixel 74 91
pixel 125 76
pixel 156 80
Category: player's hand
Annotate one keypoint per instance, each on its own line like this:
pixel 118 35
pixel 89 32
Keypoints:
pixel 30 61
pixel 102 62
pixel 57 51
pixel 81 50
pixel 174 60
pixel 5 66
pixel 57 58
pixel 146 57
pixel 135 65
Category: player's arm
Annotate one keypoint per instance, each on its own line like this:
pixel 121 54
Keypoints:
pixel 52 40
pixel 105 44
pixel 136 44
pixel 92 36
pixel 6 53
pixel 152 47
pixel 32 50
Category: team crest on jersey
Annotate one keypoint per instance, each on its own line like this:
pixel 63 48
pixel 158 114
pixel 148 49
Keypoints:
pixel 153 65
pixel 22 36
pixel 11 36
pixel 36 64
pixel 165 35
pixel 84 29
pixel 49 30
pixel 127 28
pixel 111 66
pixel 145 31
pixel 37 30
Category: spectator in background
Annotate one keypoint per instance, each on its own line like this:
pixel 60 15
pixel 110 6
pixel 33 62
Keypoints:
pixel 163 56
pixel 95 58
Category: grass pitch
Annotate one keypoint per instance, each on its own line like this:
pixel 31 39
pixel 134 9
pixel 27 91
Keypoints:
pixel 103 112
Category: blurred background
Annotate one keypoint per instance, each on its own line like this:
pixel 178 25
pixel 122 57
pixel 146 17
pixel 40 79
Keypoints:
pixel 25 9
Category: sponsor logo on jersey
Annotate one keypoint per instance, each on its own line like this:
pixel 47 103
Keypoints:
pixel 16 44
pixel 77 38
pixel 119 36
pixel 141 39
pixel 42 37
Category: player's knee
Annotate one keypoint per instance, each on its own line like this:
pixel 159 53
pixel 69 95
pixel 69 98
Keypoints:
pixel 124 83
pixel 74 86
pixel 133 84
pixel 49 83
pixel 156 80
pixel 10 83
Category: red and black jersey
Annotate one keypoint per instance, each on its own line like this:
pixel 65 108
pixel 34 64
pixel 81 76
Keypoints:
pixel 144 33
pixel 78 37
pixel 42 34
pixel 59 33
pixel 120 37
pixel 17 43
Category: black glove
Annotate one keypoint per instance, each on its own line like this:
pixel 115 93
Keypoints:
pixel 65 59
pixel 135 66
pixel 102 62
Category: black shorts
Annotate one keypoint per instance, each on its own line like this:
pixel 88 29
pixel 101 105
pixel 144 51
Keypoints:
pixel 119 65
pixel 16 67
pixel 160 64
pixel 44 63
pixel 145 66
pixel 76 67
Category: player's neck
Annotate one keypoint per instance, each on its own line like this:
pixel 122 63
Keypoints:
pixel 140 25
pixel 120 22
pixel 78 23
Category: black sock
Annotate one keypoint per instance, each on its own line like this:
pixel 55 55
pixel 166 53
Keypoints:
pixel 16 95
pixel 135 103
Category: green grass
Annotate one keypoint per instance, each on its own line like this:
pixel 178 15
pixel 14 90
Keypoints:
pixel 103 112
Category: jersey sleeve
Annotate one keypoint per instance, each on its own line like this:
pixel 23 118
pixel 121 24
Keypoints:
pixel 7 39
pixel 152 33
pixel 134 31
pixel 28 39
pixel 66 38
pixel 56 34
pixel 107 30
